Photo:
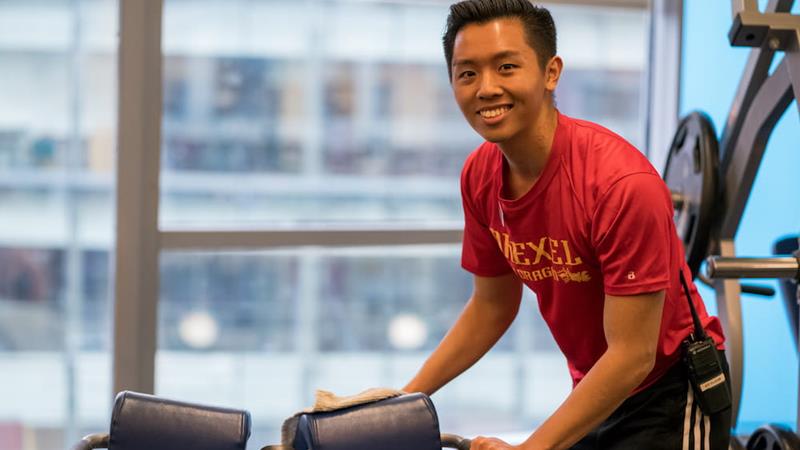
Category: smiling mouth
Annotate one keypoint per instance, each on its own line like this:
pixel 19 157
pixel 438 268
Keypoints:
pixel 494 112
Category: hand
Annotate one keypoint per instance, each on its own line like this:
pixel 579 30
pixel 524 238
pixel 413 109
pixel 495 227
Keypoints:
pixel 490 443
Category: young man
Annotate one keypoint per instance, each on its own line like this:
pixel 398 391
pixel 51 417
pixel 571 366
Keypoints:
pixel 577 214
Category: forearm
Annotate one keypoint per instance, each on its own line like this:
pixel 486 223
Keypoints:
pixel 603 390
pixel 477 329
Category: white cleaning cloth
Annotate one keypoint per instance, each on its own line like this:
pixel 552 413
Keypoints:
pixel 327 401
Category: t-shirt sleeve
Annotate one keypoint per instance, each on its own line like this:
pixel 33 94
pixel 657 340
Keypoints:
pixel 631 235
pixel 480 252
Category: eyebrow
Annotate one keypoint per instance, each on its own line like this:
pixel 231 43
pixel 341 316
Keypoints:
pixel 500 55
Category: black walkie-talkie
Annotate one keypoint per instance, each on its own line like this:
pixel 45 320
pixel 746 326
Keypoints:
pixel 702 360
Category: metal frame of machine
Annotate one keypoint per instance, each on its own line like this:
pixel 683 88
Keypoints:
pixel 762 98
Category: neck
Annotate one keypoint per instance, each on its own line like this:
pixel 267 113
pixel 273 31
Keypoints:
pixel 527 153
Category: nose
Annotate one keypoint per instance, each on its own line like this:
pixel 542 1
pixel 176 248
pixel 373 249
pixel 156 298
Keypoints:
pixel 488 87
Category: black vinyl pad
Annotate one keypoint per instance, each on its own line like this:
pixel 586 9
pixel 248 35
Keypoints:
pixel 142 421
pixel 400 423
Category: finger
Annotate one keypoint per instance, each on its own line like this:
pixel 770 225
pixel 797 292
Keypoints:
pixel 478 443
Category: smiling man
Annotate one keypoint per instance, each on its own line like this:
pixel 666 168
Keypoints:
pixel 577 214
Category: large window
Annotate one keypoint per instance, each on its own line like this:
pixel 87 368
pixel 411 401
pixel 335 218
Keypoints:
pixel 334 114
pixel 57 127
pixel 277 115
pixel 263 330
pixel 342 111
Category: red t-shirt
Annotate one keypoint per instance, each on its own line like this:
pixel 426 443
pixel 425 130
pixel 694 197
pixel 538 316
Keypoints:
pixel 599 220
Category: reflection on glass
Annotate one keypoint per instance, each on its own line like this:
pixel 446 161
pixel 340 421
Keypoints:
pixel 57 126
pixel 288 112
pixel 274 111
pixel 338 111
pixel 262 331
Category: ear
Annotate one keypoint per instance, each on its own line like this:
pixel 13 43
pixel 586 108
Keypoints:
pixel 552 73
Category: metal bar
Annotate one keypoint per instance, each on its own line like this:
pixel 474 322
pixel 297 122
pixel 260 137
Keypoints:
pixel 351 237
pixel 768 106
pixel 729 311
pixel 455 441
pixel 755 72
pixel 758 104
pixel 92 441
pixel 792 60
pixel 738 6
pixel 719 267
pixel 139 140
pixel 753 29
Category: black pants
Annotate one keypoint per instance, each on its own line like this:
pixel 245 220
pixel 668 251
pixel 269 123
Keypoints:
pixel 662 417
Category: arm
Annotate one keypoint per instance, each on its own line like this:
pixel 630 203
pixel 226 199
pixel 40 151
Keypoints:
pixel 488 314
pixel 632 325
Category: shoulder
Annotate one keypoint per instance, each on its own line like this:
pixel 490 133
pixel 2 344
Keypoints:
pixel 601 158
pixel 611 153
pixel 644 189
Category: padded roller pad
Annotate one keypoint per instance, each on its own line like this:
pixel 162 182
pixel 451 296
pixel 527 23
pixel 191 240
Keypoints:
pixel 142 421
pixel 399 423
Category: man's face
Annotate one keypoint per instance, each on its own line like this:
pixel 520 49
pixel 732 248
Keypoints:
pixel 497 80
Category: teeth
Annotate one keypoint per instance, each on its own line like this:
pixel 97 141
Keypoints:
pixel 489 113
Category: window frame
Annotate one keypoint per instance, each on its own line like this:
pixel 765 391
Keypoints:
pixel 139 240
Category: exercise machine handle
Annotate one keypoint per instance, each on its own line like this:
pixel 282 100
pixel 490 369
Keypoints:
pixel 92 441
pixel 455 441
pixel 448 441
pixel 720 267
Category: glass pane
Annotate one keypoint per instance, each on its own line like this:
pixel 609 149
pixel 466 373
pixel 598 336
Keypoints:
pixel 57 127
pixel 262 331
pixel 280 111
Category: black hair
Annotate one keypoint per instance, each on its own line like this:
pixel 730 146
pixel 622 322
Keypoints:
pixel 540 30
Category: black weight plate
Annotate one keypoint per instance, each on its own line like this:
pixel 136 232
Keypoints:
pixel 692 176
pixel 773 437
pixel 736 444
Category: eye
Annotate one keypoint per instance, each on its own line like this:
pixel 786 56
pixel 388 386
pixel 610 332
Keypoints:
pixel 465 75
pixel 507 67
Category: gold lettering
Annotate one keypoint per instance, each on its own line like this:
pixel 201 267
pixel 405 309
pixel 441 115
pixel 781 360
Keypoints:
pixel 540 250
pixel 547 272
pixel 558 252
pixel 516 254
pixel 568 254
pixel 537 275
pixel 553 247
pixel 507 246
pixel 497 237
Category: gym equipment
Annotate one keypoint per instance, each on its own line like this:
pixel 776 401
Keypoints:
pixel 767 437
pixel 141 421
pixel 788 246
pixel 763 96
pixel 736 444
pixel 691 175
pixel 399 423
pixel 773 437
pixel 719 267
pixel 692 171
pixel 761 99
